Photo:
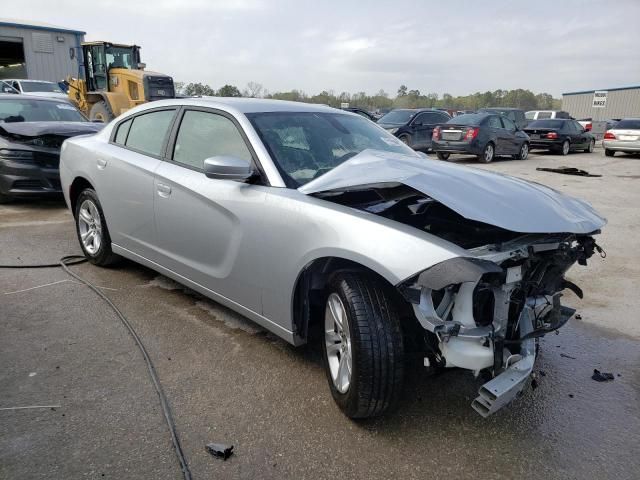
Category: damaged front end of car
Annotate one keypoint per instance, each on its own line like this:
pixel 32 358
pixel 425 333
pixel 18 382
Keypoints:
pixel 484 309
pixel 487 310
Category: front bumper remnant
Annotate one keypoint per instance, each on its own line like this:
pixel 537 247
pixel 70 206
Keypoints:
pixel 504 388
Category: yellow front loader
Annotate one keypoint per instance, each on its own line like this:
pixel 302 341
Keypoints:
pixel 115 81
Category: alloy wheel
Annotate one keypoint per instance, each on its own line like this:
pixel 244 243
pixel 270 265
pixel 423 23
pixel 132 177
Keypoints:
pixel 524 151
pixel 90 227
pixel 488 153
pixel 338 343
pixel 565 148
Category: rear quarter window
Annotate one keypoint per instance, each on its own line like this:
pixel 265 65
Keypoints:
pixel 121 134
pixel 148 131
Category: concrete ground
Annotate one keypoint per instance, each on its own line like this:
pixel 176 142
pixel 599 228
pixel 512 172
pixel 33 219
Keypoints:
pixel 229 381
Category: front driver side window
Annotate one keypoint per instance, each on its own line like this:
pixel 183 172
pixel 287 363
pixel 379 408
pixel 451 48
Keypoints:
pixel 203 135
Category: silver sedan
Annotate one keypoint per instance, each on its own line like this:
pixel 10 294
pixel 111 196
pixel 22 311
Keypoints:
pixel 623 137
pixel 308 219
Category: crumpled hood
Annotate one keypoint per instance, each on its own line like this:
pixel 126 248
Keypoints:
pixel 500 200
pixel 37 129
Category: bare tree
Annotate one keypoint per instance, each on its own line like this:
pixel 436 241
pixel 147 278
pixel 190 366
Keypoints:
pixel 253 90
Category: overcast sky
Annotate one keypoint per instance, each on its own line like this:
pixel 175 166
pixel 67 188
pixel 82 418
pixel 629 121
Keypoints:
pixel 458 47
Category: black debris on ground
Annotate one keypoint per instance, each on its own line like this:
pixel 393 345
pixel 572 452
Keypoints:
pixel 599 376
pixel 567 356
pixel 568 171
pixel 220 450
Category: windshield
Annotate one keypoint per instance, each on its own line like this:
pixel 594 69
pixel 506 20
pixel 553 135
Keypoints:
pixel 40 87
pixel 21 110
pixel 120 57
pixel 398 117
pixel 546 124
pixel 468 119
pixel 305 145
pixel 631 124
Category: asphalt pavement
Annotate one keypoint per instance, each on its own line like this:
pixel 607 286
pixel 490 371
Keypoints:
pixel 229 381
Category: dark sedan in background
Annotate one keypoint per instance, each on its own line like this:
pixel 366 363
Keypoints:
pixel 560 136
pixel 482 134
pixel 413 126
pixel 32 130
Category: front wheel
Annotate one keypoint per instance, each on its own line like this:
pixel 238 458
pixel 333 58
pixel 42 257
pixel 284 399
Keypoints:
pixel 363 350
pixel 406 139
pixel 92 230
pixel 487 154
pixel 100 111
pixel 443 155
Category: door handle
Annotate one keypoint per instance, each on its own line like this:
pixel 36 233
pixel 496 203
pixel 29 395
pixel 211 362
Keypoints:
pixel 163 190
pixel 102 163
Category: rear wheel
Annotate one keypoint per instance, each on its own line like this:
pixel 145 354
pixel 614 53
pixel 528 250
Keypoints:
pixel 443 155
pixel 100 111
pixel 523 153
pixel 566 146
pixel 591 147
pixel 487 154
pixel 92 230
pixel 609 153
pixel 363 349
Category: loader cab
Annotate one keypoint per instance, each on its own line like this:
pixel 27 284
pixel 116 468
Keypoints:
pixel 101 57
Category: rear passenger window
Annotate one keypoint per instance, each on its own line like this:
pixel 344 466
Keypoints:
pixel 203 135
pixel 494 122
pixel 148 131
pixel 123 130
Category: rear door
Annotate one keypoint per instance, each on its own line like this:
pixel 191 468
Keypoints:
pixel 209 230
pixel 511 140
pixel 124 172
pixel 582 137
pixel 494 124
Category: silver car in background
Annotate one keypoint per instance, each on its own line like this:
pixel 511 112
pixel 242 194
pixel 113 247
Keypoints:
pixel 623 137
pixel 304 218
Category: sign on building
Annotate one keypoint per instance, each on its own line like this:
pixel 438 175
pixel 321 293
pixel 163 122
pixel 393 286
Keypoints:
pixel 599 99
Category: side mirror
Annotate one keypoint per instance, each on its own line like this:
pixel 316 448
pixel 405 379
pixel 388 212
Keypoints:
pixel 224 167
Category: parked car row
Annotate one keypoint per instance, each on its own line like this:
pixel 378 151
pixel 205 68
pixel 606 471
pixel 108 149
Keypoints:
pixel 32 129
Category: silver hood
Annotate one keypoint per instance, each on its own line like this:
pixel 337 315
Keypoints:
pixel 500 200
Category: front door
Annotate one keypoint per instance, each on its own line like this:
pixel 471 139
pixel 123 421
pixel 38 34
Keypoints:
pixel 209 230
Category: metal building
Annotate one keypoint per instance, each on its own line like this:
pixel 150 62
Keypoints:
pixel 38 51
pixel 603 104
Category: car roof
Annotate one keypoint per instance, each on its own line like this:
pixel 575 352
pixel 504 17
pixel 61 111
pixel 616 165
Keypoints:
pixel 500 108
pixel 21 96
pixel 249 105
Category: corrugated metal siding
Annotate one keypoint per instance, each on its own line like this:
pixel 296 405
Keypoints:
pixel 620 104
pixel 46 58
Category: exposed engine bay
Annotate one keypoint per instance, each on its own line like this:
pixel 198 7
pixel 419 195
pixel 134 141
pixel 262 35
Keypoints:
pixel 482 312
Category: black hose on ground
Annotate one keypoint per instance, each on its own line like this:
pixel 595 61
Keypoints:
pixel 65 262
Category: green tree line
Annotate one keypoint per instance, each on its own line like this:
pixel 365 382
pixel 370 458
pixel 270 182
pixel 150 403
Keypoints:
pixel 404 98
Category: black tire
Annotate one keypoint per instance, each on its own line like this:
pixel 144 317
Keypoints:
pixel 523 153
pixel 591 147
pixel 564 150
pixel 406 139
pixel 609 153
pixel 485 156
pixel 100 111
pixel 5 198
pixel 377 349
pixel 103 256
pixel 443 155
